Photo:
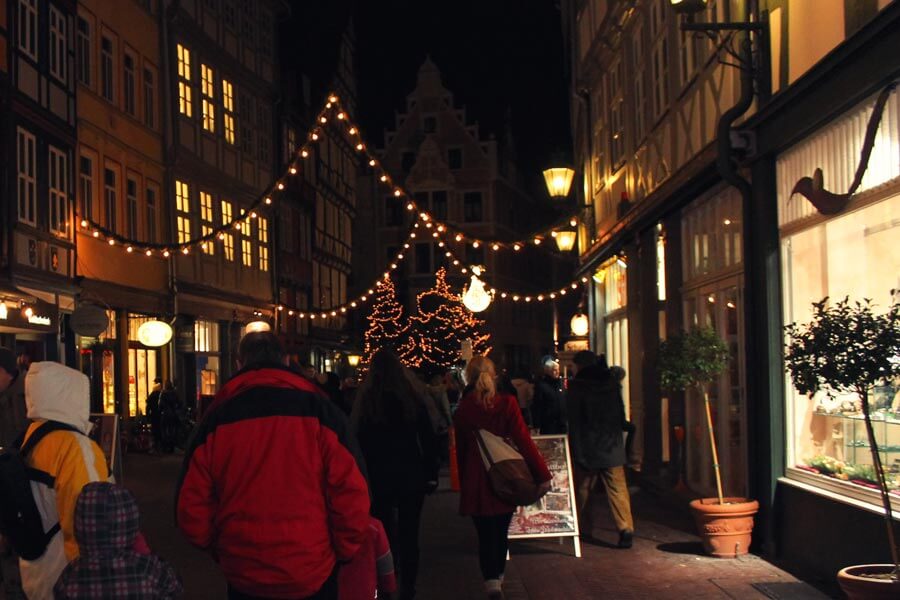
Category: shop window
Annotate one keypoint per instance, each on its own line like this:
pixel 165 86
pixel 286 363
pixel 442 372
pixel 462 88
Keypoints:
pixel 142 370
pixel 712 234
pixel 246 243
pixel 263 234
pixel 853 255
pixel 660 263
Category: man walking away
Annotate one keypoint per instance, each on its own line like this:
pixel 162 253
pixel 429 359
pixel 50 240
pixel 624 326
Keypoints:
pixel 271 486
pixel 596 423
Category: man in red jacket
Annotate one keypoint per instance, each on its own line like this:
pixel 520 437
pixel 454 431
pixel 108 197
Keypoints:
pixel 271 483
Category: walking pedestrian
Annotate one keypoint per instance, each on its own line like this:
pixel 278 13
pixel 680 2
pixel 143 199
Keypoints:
pixel 169 417
pixel 483 407
pixel 370 574
pixel 273 535
pixel 400 449
pixel 596 426
pixel 153 414
pixel 57 393
pixel 548 407
pixel 107 522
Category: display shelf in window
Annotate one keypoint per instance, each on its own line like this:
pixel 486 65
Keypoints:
pixel 838 447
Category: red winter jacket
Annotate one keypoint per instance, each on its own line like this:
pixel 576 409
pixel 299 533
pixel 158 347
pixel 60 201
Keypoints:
pixel 504 419
pixel 271 485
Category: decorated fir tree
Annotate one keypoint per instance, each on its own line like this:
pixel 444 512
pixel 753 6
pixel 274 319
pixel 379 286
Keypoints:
pixel 386 325
pixel 440 326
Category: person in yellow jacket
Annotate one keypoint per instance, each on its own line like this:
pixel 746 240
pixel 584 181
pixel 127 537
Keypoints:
pixel 57 393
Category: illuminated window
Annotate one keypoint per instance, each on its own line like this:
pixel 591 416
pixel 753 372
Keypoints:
pixel 183 208
pixel 27 185
pixel 227 238
pixel 263 244
pixel 228 110
pixel 59 198
pixel 207 89
pixel 206 220
pixel 185 105
pixel 57 44
pixel 246 243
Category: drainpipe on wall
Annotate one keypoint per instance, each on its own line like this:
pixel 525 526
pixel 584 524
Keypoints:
pixel 167 13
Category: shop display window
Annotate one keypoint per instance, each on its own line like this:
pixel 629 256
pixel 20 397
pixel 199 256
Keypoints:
pixel 855 255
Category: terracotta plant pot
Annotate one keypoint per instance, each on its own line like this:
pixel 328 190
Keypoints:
pixel 867 588
pixel 726 529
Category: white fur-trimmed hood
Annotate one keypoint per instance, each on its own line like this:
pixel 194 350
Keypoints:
pixel 56 392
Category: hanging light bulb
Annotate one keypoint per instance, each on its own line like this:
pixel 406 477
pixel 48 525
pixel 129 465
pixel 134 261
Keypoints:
pixel 579 324
pixel 475 297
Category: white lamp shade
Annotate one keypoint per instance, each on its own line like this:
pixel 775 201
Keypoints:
pixel 558 180
pixel 565 240
pixel 688 6
pixel 475 297
pixel 257 327
pixel 579 325
pixel 154 333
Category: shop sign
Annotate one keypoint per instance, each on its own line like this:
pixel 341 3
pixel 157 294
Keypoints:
pixel 185 339
pixel 89 320
pixel 39 320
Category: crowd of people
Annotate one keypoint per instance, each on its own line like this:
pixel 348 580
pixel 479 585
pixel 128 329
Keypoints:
pixel 357 461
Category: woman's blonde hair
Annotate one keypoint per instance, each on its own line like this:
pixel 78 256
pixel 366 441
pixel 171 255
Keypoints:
pixel 480 373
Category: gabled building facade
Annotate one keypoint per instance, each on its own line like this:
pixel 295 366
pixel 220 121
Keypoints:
pixel 670 245
pixel 464 179
pixel 37 121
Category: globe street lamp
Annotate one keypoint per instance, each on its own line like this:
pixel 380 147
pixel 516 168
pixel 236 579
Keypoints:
pixel 579 324
pixel 475 297
pixel 154 333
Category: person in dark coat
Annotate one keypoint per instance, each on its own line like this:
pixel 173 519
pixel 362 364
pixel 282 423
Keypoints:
pixel 484 406
pixel 110 565
pixel 596 425
pixel 169 417
pixel 400 449
pixel 548 407
pixel 13 422
pixel 153 412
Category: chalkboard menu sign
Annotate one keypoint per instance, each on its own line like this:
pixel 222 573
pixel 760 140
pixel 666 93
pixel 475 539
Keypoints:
pixel 554 514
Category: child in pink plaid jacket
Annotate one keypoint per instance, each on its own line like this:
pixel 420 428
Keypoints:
pixel 370 573
pixel 114 561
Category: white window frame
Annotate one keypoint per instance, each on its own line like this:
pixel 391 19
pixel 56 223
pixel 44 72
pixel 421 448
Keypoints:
pixel 149 87
pixel 58 55
pixel 28 28
pixel 26 165
pixel 111 196
pixel 228 110
pixel 246 242
pixel 84 50
pixel 151 190
pixel 87 185
pixel 132 206
pixel 108 69
pixel 58 191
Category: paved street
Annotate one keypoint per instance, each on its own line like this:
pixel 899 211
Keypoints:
pixel 665 563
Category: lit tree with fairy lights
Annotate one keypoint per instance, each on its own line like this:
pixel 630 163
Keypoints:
pixel 439 328
pixel 386 326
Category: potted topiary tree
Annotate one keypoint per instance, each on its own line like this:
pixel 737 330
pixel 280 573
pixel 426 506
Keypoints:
pixel 847 347
pixel 692 360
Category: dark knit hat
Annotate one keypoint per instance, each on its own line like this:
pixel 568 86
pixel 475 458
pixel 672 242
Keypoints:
pixel 8 360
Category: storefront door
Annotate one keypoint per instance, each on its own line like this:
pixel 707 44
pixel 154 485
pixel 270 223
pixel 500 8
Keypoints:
pixel 719 305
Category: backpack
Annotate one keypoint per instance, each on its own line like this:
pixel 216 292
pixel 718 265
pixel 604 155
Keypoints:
pixel 20 520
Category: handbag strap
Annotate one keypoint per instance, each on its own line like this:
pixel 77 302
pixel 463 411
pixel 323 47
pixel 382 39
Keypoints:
pixel 483 447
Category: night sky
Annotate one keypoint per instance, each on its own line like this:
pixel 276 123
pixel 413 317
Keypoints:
pixel 497 57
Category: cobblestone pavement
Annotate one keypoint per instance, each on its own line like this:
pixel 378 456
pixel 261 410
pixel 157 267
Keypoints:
pixel 666 561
